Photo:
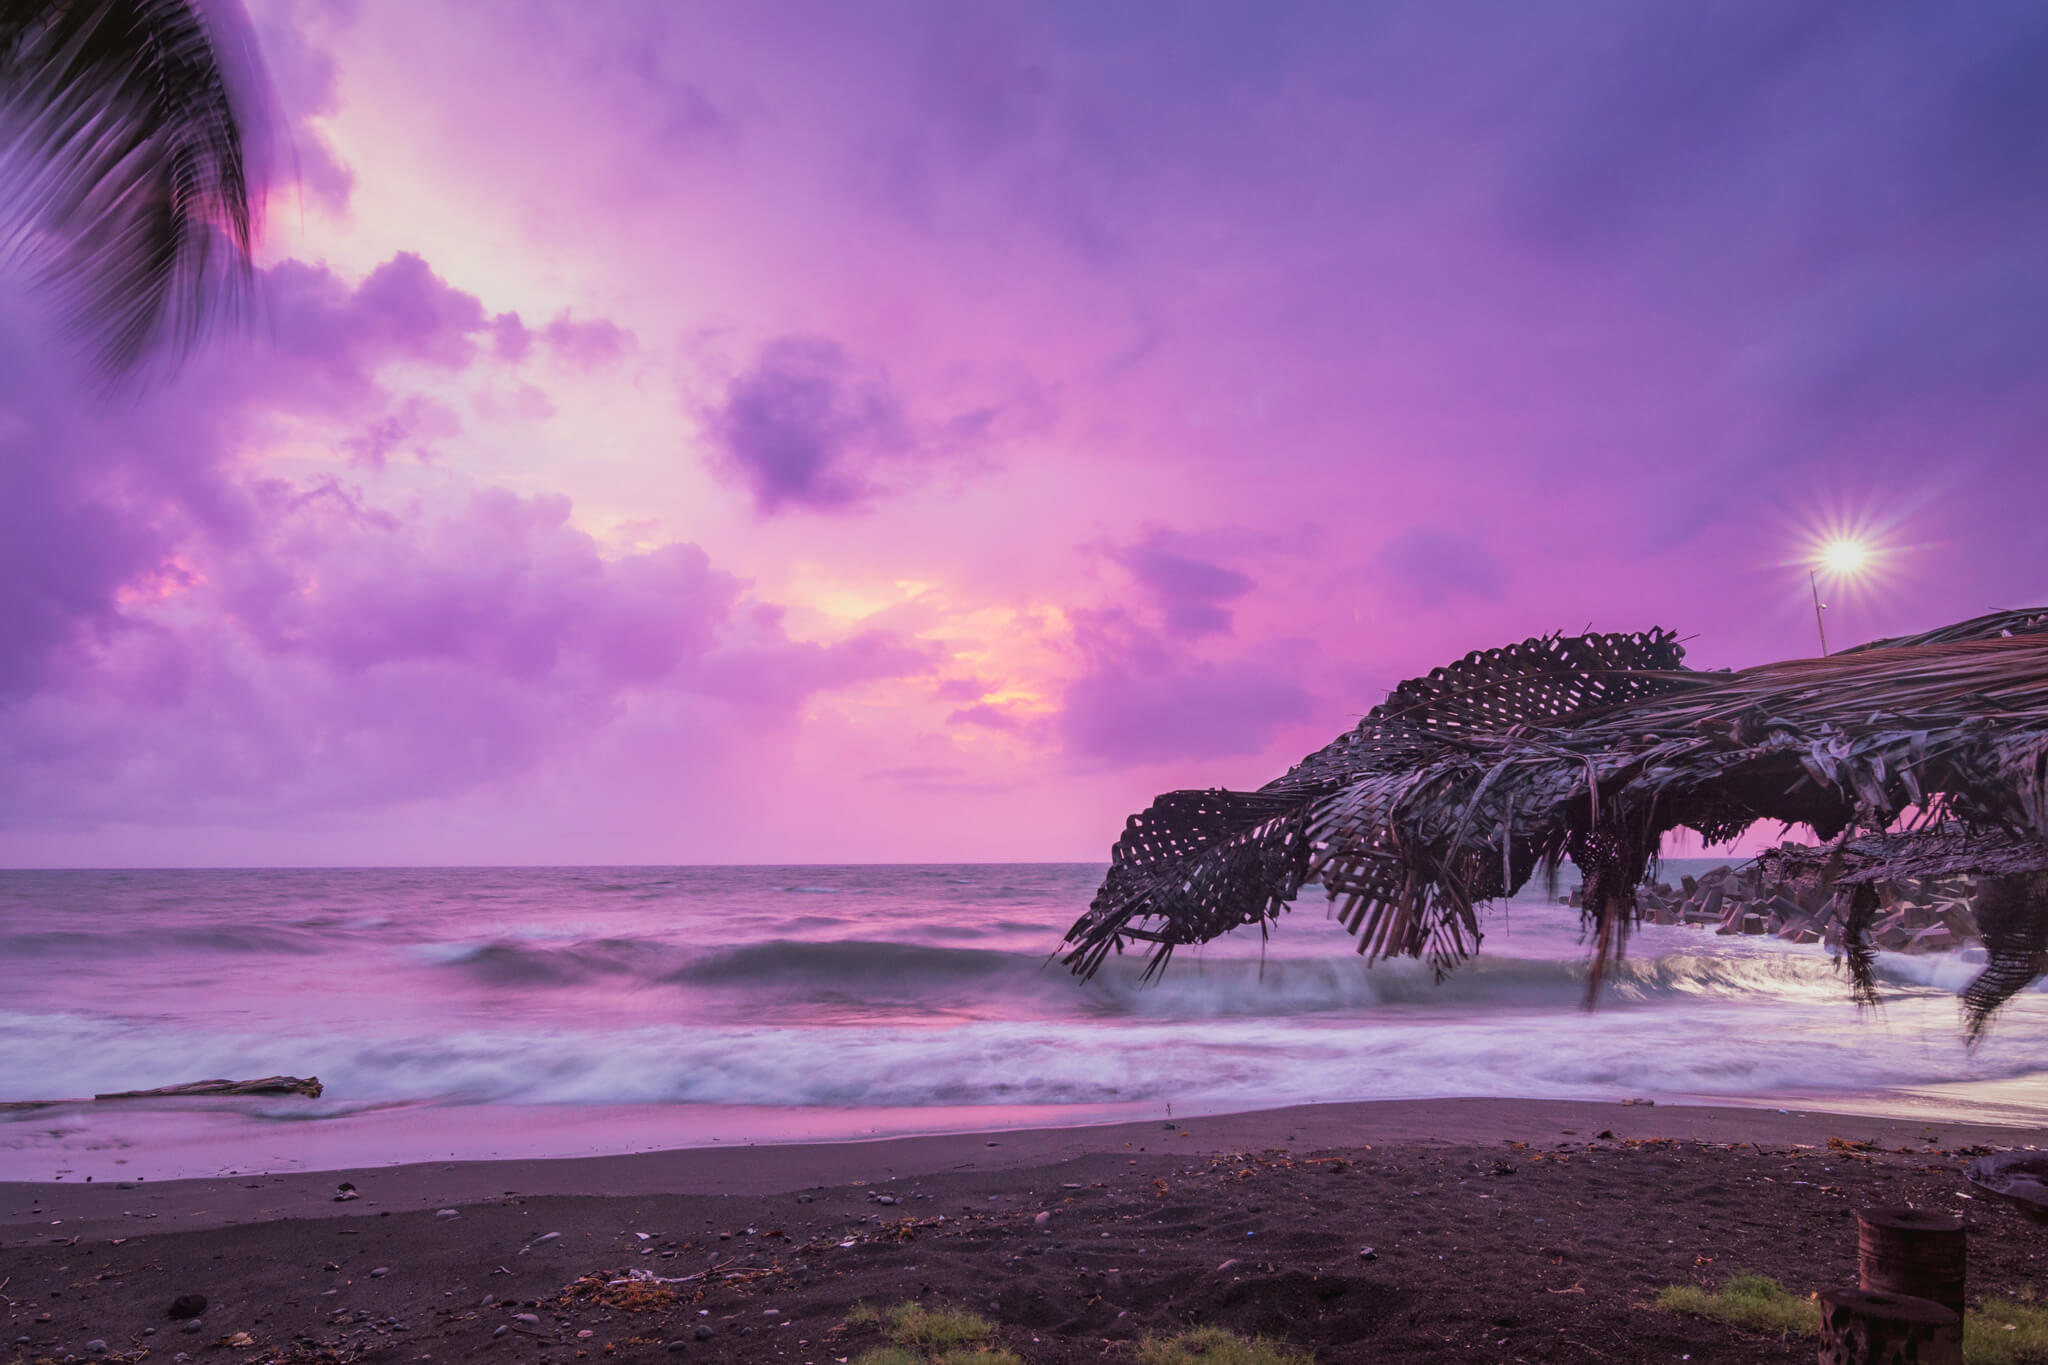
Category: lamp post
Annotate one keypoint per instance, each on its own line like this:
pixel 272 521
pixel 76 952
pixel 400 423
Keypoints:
pixel 1842 559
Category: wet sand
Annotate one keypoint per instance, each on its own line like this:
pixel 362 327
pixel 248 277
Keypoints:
pixel 1404 1230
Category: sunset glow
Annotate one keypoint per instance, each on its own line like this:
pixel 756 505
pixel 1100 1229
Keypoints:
pixel 1844 558
pixel 678 433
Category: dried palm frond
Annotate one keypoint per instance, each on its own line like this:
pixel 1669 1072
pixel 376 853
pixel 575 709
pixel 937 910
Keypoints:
pixel 1465 783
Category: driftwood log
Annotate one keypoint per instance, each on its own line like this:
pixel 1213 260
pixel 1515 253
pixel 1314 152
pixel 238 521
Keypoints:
pixel 1914 1252
pixel 1466 782
pixel 1864 1327
pixel 309 1086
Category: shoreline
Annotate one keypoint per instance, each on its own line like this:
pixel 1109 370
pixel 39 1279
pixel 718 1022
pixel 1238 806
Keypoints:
pixel 103 1206
pixel 1418 1230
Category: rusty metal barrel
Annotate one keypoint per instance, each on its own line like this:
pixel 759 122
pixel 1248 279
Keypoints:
pixel 1916 1252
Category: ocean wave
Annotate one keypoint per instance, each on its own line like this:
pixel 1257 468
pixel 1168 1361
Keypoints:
pixel 515 962
pixel 1738 1051
pixel 161 942
pixel 896 972
pixel 958 979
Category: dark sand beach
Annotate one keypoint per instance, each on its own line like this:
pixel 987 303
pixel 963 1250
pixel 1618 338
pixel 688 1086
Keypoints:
pixel 1496 1229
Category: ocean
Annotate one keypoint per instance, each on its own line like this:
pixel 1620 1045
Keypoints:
pixel 475 1012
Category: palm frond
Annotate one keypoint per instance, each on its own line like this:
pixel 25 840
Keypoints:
pixel 124 146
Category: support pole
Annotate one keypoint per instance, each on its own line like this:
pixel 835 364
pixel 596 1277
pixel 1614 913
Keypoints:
pixel 1812 581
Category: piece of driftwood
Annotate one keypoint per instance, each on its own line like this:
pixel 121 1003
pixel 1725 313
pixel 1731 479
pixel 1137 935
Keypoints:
pixel 1863 1327
pixel 1465 783
pixel 1915 1252
pixel 2018 1177
pixel 309 1086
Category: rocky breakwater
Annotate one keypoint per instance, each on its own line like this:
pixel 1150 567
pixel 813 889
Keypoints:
pixel 1914 915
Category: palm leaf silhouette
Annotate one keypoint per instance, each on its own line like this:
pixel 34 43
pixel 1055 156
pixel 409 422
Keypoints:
pixel 124 167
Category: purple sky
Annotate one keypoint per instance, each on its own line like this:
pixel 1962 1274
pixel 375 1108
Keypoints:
pixel 764 432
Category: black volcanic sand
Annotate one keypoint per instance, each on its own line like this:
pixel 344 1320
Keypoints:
pixel 1538 1234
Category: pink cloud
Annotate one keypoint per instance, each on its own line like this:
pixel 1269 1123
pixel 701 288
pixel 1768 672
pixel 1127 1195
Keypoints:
pixel 1190 590
pixel 587 343
pixel 805 425
pixel 189 639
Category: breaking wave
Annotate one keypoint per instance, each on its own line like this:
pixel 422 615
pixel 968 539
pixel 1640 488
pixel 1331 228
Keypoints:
pixel 898 974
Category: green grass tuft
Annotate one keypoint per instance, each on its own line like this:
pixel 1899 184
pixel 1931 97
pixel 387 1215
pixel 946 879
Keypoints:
pixel 1214 1346
pixel 936 1329
pixel 889 1355
pixel 1755 1303
pixel 2006 1332
pixel 930 1336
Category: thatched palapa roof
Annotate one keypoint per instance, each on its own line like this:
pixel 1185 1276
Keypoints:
pixel 1466 782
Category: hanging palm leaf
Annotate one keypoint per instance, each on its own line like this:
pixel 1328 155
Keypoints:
pixel 124 174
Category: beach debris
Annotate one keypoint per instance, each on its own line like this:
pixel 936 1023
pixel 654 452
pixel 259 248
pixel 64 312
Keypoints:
pixel 97 1346
pixel 309 1086
pixel 447 1213
pixel 1042 1218
pixel 344 1196
pixel 186 1306
pixel 2019 1177
pixel 1368 1254
pixel 1230 1264
pixel 380 1272
pixel 642 1290
pixel 236 1340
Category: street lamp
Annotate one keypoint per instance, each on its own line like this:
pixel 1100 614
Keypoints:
pixel 1842 559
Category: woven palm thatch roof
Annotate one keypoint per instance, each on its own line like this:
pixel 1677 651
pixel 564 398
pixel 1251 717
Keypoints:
pixel 1466 782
